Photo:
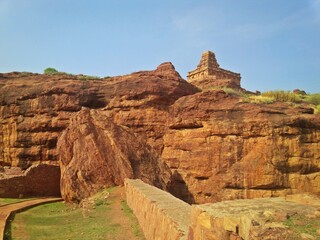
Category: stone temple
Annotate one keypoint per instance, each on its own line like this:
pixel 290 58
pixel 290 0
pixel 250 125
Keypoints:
pixel 209 75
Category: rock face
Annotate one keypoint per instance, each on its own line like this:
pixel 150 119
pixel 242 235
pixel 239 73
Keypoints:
pixel 95 152
pixel 123 139
pixel 34 109
pixel 220 148
pixel 203 146
pixel 38 180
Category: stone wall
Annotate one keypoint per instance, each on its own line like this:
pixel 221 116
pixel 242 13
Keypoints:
pixel 160 215
pixel 38 180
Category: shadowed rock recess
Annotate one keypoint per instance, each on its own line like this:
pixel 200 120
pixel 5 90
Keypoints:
pixel 200 145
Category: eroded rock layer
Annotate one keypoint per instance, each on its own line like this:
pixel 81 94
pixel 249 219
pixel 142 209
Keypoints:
pixel 202 146
pixel 220 148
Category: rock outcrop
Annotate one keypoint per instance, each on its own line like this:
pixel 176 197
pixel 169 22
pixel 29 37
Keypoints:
pixel 95 152
pixel 125 137
pixel 38 180
pixel 219 148
pixel 203 146
pixel 34 109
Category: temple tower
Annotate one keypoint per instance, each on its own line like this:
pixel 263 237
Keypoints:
pixel 208 74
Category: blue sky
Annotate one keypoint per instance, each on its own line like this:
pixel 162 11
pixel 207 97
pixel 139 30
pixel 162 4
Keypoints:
pixel 274 44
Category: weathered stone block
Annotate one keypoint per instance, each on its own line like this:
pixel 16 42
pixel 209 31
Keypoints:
pixel 160 215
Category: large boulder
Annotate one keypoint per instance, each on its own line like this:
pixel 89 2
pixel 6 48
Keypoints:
pixel 94 152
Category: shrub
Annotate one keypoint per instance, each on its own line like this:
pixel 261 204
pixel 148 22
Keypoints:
pixel 283 96
pixel 231 91
pixel 317 110
pixel 313 98
pixel 260 99
pixel 50 71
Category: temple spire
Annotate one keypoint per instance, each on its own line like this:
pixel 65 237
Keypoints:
pixel 208 74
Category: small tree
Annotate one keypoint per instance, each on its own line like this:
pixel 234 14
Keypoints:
pixel 50 71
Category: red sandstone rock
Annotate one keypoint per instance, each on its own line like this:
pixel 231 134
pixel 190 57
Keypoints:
pixel 94 153
pixel 38 180
pixel 216 146
pixel 36 108
pixel 220 148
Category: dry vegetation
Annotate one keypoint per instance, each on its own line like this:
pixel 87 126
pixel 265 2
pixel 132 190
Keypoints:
pixel 278 96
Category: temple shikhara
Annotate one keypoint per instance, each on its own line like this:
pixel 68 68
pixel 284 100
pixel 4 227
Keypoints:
pixel 208 74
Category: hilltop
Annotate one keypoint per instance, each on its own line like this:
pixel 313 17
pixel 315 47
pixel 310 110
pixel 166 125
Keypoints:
pixel 202 144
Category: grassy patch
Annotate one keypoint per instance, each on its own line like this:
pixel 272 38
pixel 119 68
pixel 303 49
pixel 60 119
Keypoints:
pixel 4 201
pixel 97 218
pixel 283 96
pixel 134 222
pixel 53 71
pixel 59 221
pixel 300 224
pixel 313 99
pixel 259 99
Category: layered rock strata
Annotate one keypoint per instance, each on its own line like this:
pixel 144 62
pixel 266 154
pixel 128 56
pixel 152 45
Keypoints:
pixel 34 109
pixel 220 148
pixel 201 146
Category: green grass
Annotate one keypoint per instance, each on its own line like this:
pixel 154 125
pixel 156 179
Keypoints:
pixel 59 221
pixel 94 220
pixel 135 224
pixel 301 224
pixel 81 77
pixel 4 201
pixel 259 99
pixel 313 98
pixel 283 96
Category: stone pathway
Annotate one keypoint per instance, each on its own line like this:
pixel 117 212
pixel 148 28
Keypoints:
pixel 6 210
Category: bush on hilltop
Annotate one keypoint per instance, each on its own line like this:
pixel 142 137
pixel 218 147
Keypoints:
pixel 50 71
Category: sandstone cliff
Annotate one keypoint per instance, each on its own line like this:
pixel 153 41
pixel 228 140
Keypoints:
pixel 220 148
pixel 202 146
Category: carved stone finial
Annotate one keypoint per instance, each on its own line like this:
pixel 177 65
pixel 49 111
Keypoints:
pixel 208 60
